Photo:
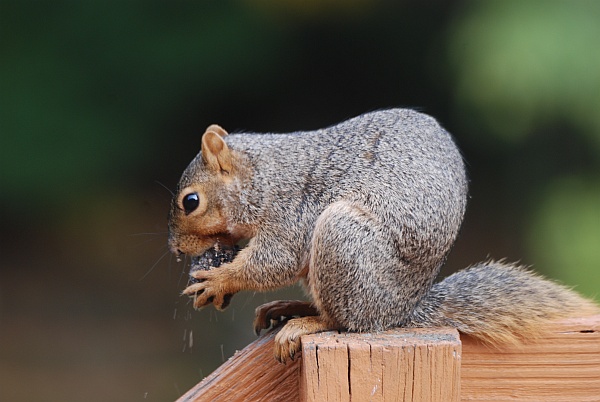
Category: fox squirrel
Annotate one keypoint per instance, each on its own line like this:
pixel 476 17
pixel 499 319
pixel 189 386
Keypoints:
pixel 364 213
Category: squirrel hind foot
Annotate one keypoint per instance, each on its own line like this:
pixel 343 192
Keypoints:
pixel 287 340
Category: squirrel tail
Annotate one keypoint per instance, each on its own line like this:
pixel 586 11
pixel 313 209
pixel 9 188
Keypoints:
pixel 498 303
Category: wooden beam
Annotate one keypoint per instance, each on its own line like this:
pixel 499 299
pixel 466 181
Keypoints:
pixel 252 374
pixel 564 366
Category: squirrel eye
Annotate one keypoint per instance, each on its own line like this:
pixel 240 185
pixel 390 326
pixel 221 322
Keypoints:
pixel 190 202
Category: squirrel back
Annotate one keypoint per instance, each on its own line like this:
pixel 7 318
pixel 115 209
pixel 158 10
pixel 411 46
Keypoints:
pixel 400 162
pixel 364 213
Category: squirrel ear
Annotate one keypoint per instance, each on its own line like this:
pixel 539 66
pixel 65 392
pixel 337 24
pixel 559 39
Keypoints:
pixel 217 129
pixel 215 152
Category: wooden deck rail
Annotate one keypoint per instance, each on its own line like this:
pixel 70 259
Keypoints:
pixel 414 365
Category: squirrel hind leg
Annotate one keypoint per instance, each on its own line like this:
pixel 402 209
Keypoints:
pixel 356 275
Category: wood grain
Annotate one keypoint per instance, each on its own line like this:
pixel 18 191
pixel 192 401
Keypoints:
pixel 396 365
pixel 252 374
pixel 563 366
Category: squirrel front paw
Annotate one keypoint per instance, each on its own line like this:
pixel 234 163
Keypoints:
pixel 213 287
pixel 287 340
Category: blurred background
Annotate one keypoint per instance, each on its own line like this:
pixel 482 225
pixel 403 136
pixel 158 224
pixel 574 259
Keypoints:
pixel 103 105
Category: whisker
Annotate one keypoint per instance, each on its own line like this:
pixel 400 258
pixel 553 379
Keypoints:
pixel 147 240
pixel 148 234
pixel 165 187
pixel 155 264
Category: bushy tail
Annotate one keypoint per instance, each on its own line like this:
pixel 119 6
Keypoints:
pixel 498 303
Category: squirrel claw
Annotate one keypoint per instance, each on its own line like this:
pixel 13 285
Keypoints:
pixel 221 302
pixel 271 314
pixel 212 287
pixel 286 348
pixel 288 339
pixel 194 289
pixel 287 344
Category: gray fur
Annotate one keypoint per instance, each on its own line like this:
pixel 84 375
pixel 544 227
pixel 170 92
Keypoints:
pixel 366 211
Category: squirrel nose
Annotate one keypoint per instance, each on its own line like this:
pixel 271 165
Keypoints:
pixel 177 252
pixel 174 248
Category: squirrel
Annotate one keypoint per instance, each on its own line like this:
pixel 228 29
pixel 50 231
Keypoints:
pixel 364 214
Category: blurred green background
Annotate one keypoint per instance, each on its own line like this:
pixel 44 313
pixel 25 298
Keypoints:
pixel 103 105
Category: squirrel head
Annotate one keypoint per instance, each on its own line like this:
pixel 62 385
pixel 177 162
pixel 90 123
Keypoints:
pixel 196 219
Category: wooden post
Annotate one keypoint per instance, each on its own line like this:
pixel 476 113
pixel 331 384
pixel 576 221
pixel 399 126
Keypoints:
pixel 396 365
pixel 564 366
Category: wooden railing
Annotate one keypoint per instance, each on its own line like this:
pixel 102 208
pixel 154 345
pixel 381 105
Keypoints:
pixel 414 365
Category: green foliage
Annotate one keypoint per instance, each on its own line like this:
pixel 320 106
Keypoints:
pixel 565 233
pixel 521 64
pixel 527 76
pixel 85 85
